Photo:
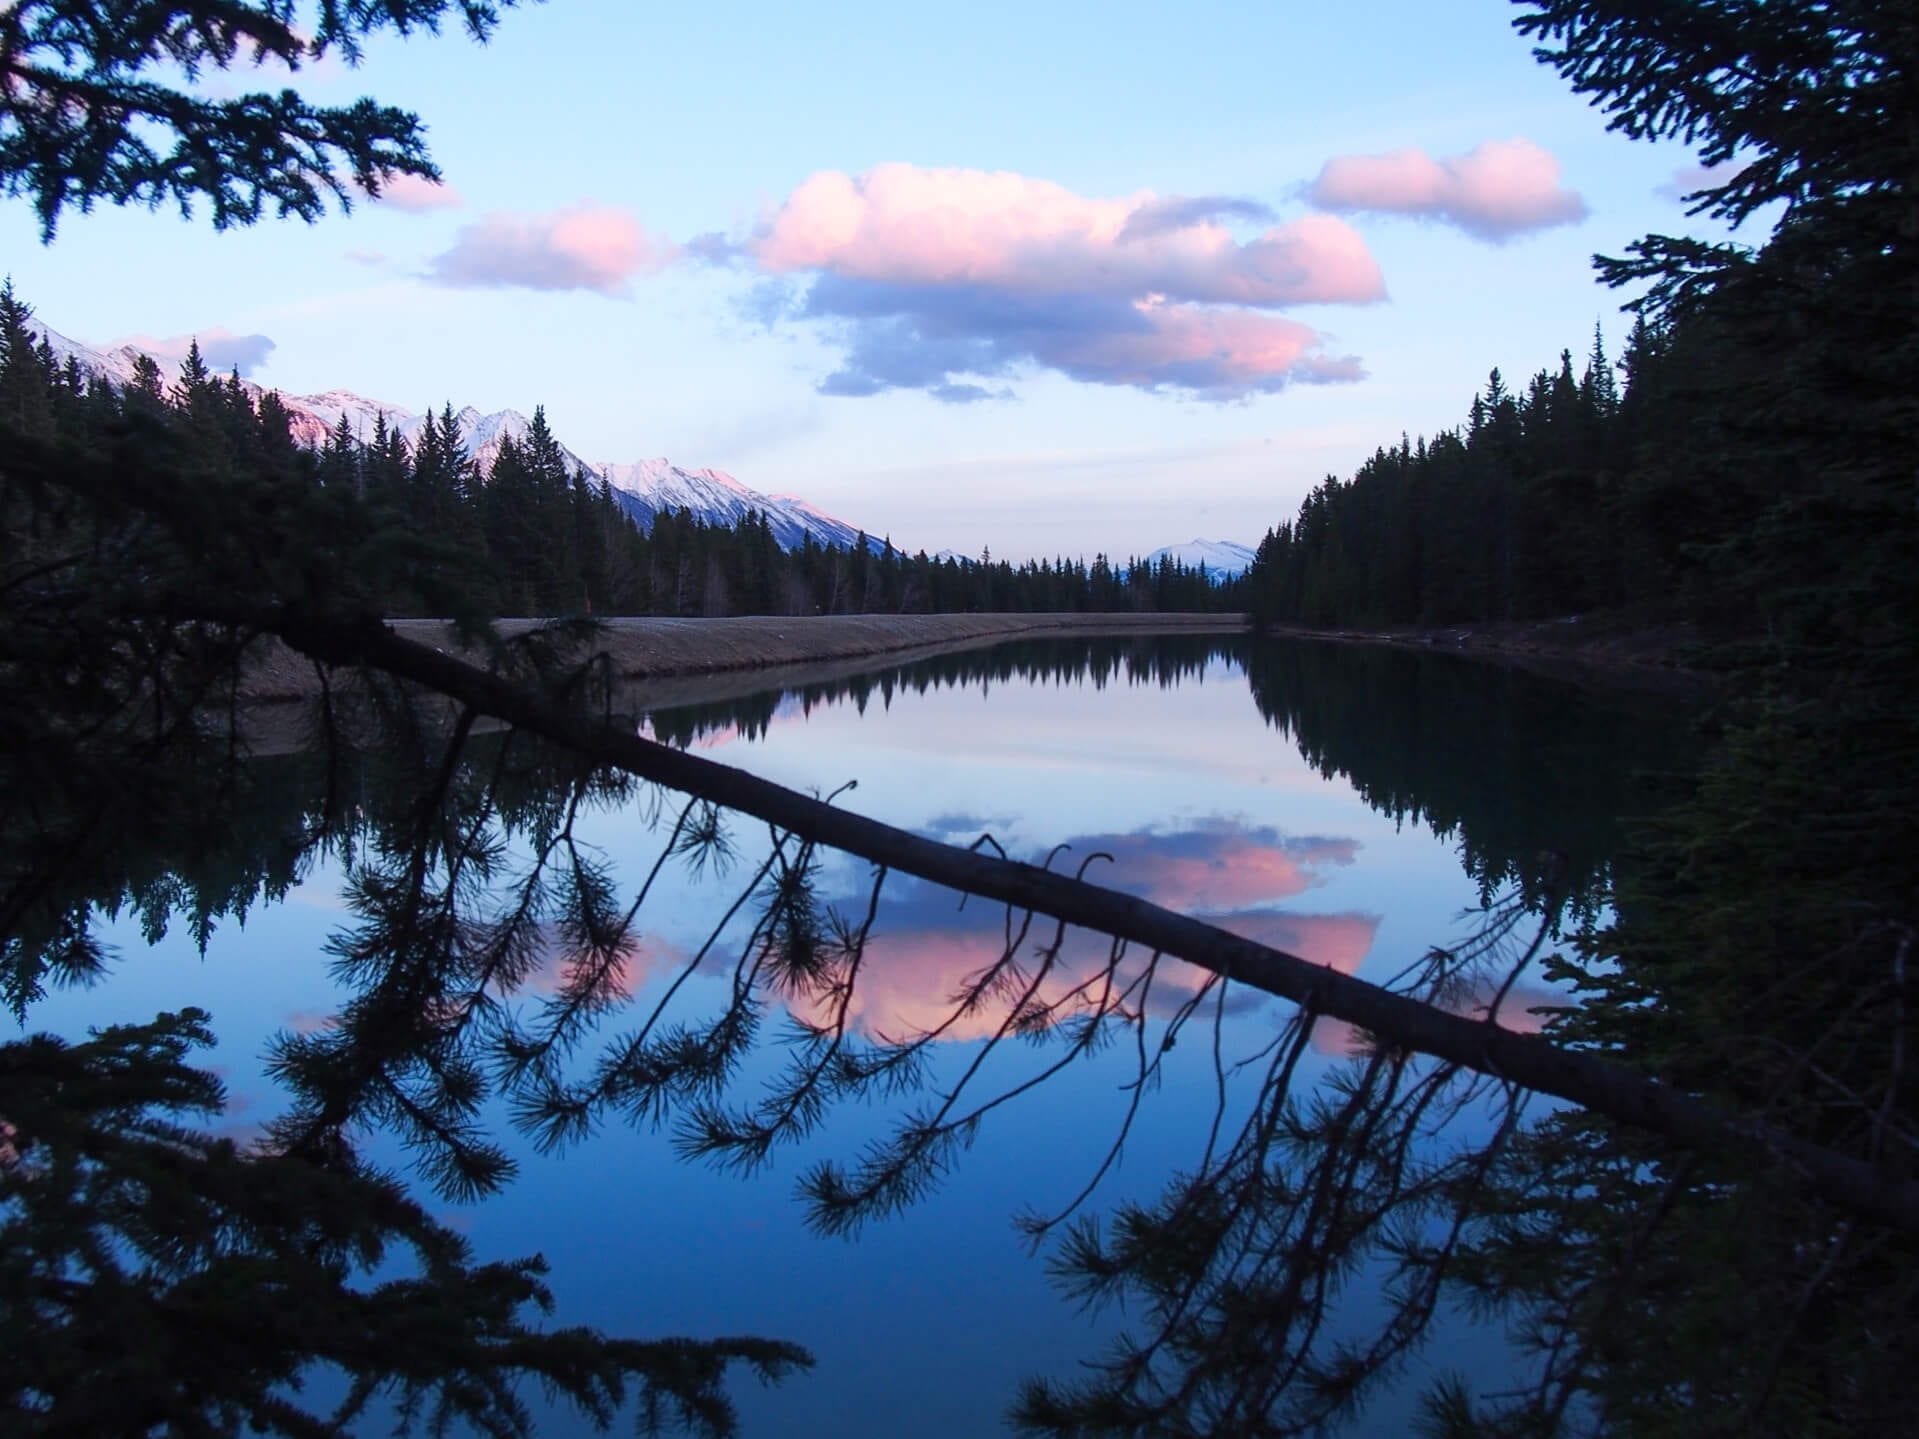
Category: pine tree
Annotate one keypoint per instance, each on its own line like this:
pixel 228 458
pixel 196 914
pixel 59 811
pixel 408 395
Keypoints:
pixel 1598 388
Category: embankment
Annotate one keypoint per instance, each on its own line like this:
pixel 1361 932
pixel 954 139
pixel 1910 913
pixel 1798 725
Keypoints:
pixel 657 650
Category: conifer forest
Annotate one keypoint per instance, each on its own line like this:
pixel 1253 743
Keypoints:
pixel 1654 1122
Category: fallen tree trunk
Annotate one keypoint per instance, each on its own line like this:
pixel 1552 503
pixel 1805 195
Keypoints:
pixel 1529 1061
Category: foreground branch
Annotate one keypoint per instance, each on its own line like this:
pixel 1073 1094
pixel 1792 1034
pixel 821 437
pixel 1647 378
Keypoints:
pixel 1528 1061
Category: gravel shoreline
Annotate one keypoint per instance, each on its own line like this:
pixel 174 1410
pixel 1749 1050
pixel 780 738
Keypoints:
pixel 671 661
pixel 658 649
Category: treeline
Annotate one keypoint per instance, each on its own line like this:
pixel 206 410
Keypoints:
pixel 1529 509
pixel 1683 482
pixel 530 536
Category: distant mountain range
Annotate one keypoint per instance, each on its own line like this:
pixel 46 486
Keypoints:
pixel 645 490
pixel 1222 558
pixel 652 487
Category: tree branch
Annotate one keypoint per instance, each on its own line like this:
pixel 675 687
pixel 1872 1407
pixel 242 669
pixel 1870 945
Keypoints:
pixel 1528 1061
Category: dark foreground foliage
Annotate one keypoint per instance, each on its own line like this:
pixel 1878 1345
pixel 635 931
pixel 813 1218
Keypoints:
pixel 154 1279
pixel 1752 476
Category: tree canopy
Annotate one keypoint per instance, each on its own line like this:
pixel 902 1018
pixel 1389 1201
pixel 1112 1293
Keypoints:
pixel 101 102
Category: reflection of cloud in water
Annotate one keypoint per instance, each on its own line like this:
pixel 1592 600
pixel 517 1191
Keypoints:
pixel 1336 1036
pixel 1217 864
pixel 639 960
pixel 925 950
pixel 914 969
pixel 1339 941
pixel 955 828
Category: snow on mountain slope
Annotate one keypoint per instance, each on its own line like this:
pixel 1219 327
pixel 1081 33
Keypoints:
pixel 1222 558
pixel 644 490
pixel 655 487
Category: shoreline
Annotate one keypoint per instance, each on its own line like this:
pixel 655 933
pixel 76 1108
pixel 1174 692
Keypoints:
pixel 646 650
pixel 683 660
pixel 1613 649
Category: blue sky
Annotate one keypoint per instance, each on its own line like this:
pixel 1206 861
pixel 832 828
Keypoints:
pixel 868 254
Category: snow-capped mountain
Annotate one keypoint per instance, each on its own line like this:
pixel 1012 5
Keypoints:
pixel 644 490
pixel 654 487
pixel 1222 558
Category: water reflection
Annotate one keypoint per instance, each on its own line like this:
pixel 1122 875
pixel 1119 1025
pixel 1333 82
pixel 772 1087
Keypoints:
pixel 1342 858
pixel 1510 765
pixel 927 949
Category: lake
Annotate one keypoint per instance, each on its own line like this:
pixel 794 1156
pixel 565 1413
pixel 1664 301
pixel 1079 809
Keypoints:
pixel 1354 805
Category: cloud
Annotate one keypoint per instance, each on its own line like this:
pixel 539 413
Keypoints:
pixel 936 280
pixel 950 393
pixel 1180 212
pixel 1338 941
pixel 416 196
pixel 713 247
pixel 586 247
pixel 1688 179
pixel 367 257
pixel 1217 864
pixel 903 225
pixel 1517 1013
pixel 925 949
pixel 220 348
pixel 1494 191
pixel 966 827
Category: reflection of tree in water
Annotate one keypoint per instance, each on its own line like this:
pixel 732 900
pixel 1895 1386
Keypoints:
pixel 1511 765
pixel 1163 661
pixel 494 952
pixel 153 1277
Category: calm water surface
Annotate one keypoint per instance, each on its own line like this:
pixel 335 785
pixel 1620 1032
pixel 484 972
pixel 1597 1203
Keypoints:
pixel 1349 804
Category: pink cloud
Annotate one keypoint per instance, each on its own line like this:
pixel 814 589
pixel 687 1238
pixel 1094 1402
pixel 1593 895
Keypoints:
pixel 924 950
pixel 586 247
pixel 937 279
pixel 910 977
pixel 1338 941
pixel 413 194
pixel 1494 191
pixel 1216 864
pixel 641 959
pixel 901 224
pixel 1229 350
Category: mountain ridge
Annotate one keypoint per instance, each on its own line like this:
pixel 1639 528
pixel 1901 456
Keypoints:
pixel 1222 558
pixel 645 489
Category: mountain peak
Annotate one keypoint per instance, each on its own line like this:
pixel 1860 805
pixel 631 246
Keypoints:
pixel 1223 558
pixel 644 490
